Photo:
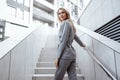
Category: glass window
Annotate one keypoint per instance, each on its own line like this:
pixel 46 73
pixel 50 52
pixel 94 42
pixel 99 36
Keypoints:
pixel 76 11
pixel 14 0
pixel 20 1
pixel 20 14
pixel 11 11
pixel 27 3
pixel 26 16
pixel 81 4
pixel 86 2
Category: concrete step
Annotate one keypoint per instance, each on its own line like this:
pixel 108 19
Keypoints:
pixel 45 67
pixel 49 51
pixel 48 55
pixel 46 59
pixel 52 41
pixel 49 70
pixel 45 64
pixel 51 77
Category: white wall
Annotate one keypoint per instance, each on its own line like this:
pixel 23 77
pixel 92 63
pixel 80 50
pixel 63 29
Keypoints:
pixel 99 12
pixel 4 67
pixel 19 62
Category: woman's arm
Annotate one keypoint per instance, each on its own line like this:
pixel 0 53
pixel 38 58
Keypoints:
pixel 63 38
pixel 77 39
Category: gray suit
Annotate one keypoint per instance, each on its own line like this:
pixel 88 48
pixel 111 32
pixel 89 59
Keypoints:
pixel 66 52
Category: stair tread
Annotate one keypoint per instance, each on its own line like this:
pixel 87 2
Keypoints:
pixel 52 75
pixel 45 68
pixel 45 62
pixel 49 68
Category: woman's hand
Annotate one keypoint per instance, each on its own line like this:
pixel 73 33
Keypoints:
pixel 84 45
pixel 56 63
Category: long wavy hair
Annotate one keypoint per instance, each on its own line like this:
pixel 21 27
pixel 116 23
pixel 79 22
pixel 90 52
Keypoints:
pixel 68 17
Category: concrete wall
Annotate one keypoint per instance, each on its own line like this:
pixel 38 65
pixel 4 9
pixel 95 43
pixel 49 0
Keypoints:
pixel 99 12
pixel 118 64
pixel 4 67
pixel 19 62
pixel 108 57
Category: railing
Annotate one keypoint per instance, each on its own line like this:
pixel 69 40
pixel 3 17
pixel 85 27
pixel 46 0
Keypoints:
pixel 115 46
pixel 100 64
pixel 3 24
pixel 106 41
pixel 26 26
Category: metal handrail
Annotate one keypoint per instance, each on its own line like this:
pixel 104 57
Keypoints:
pixel 14 23
pixel 97 37
pixel 17 24
pixel 11 22
pixel 100 64
pixel 26 26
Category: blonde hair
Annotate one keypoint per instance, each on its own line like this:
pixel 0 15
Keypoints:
pixel 68 17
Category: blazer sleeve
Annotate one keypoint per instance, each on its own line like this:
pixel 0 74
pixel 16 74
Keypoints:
pixel 64 38
pixel 77 39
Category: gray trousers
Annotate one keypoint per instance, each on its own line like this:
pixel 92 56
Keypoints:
pixel 68 65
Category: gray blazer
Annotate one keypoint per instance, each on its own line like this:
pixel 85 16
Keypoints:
pixel 66 37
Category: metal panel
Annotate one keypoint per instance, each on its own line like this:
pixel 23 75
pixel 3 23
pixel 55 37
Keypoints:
pixel 111 29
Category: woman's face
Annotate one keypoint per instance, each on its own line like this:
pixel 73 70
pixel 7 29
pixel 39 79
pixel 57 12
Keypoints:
pixel 62 15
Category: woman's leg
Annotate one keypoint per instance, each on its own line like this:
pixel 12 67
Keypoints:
pixel 60 72
pixel 72 71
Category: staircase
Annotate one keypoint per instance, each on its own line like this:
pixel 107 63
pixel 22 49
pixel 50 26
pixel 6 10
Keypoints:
pixel 45 68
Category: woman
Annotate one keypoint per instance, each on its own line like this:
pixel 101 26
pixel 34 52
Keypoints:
pixel 66 57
